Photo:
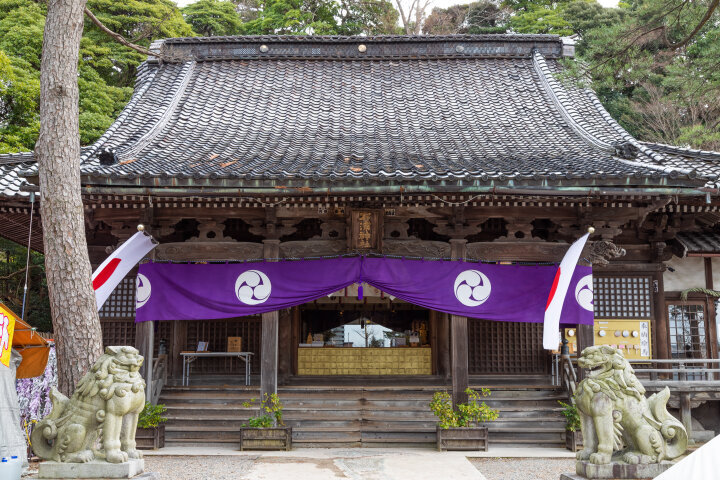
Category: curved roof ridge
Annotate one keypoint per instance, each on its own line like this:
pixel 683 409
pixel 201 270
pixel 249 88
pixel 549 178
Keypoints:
pixel 366 39
pixel 144 80
pixel 164 119
pixel 559 98
pixel 658 157
pixel 687 151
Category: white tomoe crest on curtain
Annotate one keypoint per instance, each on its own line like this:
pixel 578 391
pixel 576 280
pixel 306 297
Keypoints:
pixel 118 265
pixel 551 327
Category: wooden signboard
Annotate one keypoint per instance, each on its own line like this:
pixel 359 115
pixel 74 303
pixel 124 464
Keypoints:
pixel 234 344
pixel 365 229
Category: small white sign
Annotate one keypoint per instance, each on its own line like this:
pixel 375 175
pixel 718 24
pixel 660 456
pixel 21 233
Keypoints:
pixel 644 339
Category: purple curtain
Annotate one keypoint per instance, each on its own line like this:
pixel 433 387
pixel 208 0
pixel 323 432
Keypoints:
pixel 515 293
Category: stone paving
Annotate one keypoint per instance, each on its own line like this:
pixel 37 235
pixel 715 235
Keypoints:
pixel 197 463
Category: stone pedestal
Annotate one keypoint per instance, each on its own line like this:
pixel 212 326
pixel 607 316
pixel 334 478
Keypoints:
pixel 94 469
pixel 586 470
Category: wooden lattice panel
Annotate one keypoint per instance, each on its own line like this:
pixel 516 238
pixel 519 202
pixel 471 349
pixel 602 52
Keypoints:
pixel 506 347
pixel 216 332
pixel 121 332
pixel 163 330
pixel 117 316
pixel 622 297
pixel 121 303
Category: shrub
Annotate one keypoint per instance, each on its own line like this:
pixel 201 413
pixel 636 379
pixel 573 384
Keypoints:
pixel 271 412
pixel 151 416
pixel 572 418
pixel 468 414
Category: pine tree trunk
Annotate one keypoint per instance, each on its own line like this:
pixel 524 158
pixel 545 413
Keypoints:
pixel 72 300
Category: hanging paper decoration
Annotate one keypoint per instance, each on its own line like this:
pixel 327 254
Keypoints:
pixel 515 293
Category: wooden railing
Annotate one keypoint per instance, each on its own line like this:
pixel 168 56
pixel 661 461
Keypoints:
pixel 159 378
pixel 678 369
pixel 568 375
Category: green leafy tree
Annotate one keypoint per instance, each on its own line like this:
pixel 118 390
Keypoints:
pixel 656 70
pixel 106 69
pixel 12 282
pixel 213 18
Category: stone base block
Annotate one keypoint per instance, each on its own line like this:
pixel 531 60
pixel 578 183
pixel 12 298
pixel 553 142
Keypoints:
pixel 94 469
pixel 586 470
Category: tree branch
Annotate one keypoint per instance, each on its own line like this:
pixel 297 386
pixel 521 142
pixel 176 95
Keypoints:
pixel 119 38
pixel 711 9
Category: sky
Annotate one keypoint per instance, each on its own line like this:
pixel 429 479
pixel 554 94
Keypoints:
pixel 440 3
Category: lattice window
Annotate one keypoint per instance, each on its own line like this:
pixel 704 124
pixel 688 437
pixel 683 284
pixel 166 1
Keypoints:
pixel 121 303
pixel 622 297
pixel 117 316
pixel 687 331
pixel 120 332
pixel 506 347
pixel 216 332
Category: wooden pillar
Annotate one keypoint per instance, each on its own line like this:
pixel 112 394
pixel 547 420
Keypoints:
pixel 269 349
pixel 711 322
pixel 459 338
pixel 661 337
pixel 296 325
pixel 144 342
pixel 585 338
pixel 177 345
pixel 459 342
pixel 284 345
pixel 685 414
pixel 440 343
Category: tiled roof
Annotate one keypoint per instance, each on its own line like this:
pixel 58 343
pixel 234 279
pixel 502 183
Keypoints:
pixel 250 111
pixel 10 166
pixel 699 242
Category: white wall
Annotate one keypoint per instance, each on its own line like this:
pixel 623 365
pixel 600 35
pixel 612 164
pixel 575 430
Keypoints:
pixel 689 273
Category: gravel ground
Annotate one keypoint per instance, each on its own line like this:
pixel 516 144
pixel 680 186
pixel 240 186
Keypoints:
pixel 198 468
pixel 523 468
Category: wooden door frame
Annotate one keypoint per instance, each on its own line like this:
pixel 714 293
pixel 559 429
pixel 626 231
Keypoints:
pixel 673 298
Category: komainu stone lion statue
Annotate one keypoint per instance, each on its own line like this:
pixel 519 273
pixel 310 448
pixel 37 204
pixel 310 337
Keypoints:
pixel 616 417
pixel 90 425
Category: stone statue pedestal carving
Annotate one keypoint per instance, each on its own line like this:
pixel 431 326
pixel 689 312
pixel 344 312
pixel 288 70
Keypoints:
pixel 616 470
pixel 92 469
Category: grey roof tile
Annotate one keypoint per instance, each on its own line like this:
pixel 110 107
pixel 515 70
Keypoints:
pixel 407 109
pixel 699 242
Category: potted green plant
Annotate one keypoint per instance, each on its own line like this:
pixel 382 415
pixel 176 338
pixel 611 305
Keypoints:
pixel 266 431
pixel 573 435
pixel 150 433
pixel 461 428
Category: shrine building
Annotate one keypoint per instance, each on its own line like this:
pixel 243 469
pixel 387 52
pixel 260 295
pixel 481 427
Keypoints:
pixel 467 147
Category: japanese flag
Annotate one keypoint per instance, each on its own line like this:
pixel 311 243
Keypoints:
pixel 116 266
pixel 553 309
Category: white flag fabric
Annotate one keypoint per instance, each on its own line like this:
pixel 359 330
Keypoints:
pixel 551 327
pixel 116 266
pixel 701 464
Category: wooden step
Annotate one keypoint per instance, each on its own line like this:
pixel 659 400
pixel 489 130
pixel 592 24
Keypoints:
pixel 351 415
